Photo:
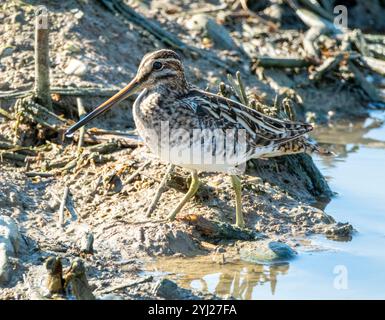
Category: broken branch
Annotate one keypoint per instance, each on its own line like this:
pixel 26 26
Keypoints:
pixel 81 112
pixel 62 207
pixel 42 83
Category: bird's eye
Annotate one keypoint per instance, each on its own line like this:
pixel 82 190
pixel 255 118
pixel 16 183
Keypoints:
pixel 157 65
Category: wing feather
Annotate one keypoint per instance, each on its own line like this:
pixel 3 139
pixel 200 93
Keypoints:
pixel 263 130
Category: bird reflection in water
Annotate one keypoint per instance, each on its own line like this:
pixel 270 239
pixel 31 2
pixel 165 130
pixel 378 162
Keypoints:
pixel 241 284
pixel 346 138
pixel 236 279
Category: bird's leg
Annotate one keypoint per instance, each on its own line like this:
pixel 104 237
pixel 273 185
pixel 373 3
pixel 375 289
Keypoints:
pixel 190 193
pixel 160 190
pixel 239 222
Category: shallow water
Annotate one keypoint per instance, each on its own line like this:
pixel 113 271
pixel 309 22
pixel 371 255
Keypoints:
pixel 352 269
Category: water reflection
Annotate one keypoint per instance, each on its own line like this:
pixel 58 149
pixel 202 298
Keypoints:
pixel 236 279
pixel 241 284
pixel 350 134
pixel 344 139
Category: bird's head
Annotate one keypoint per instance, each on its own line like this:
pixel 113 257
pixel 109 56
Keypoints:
pixel 159 67
pixel 162 67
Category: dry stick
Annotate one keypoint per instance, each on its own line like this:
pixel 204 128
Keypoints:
pixel 332 62
pixel 160 190
pixel 238 88
pixel 87 242
pixel 37 113
pixel 326 66
pixel 99 92
pixel 234 86
pixel 281 62
pixel 42 84
pixel 369 89
pixel 97 185
pixel 16 148
pixel 242 90
pixel 377 51
pixel 318 25
pixel 309 41
pixel 12 156
pixel 82 112
pixel 97 131
pixel 170 185
pixel 27 165
pixel 62 206
pixel 106 147
pixel 208 9
pixel 6 114
pixel 256 16
pixel 375 38
pixel 316 8
pixel 221 230
pixel 71 208
pixel 133 176
pixel 358 39
pixel 121 141
pixel 32 174
pixel 374 64
pixel 126 285
pixel 14 94
pixel 310 17
pixel 288 109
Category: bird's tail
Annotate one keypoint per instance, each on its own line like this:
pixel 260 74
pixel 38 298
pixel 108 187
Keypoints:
pixel 315 148
pixel 301 145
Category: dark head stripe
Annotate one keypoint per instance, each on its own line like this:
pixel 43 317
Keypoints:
pixel 165 54
pixel 160 54
pixel 173 63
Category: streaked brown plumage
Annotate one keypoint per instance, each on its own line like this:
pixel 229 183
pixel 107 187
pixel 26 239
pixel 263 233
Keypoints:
pixel 167 98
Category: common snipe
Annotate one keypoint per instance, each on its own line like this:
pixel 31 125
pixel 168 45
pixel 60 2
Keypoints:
pixel 199 130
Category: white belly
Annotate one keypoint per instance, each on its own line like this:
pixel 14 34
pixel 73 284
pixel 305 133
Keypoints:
pixel 190 152
pixel 195 155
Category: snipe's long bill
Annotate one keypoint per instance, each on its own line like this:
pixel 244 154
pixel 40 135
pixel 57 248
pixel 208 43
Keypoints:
pixel 130 89
pixel 237 132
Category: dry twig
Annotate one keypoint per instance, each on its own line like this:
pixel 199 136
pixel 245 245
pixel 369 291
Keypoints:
pixel 126 285
pixel 137 172
pixel 82 112
pixel 62 207
pixel 42 84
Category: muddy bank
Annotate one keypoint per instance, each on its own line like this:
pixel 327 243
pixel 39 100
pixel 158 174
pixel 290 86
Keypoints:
pixel 91 47
pixel 124 238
